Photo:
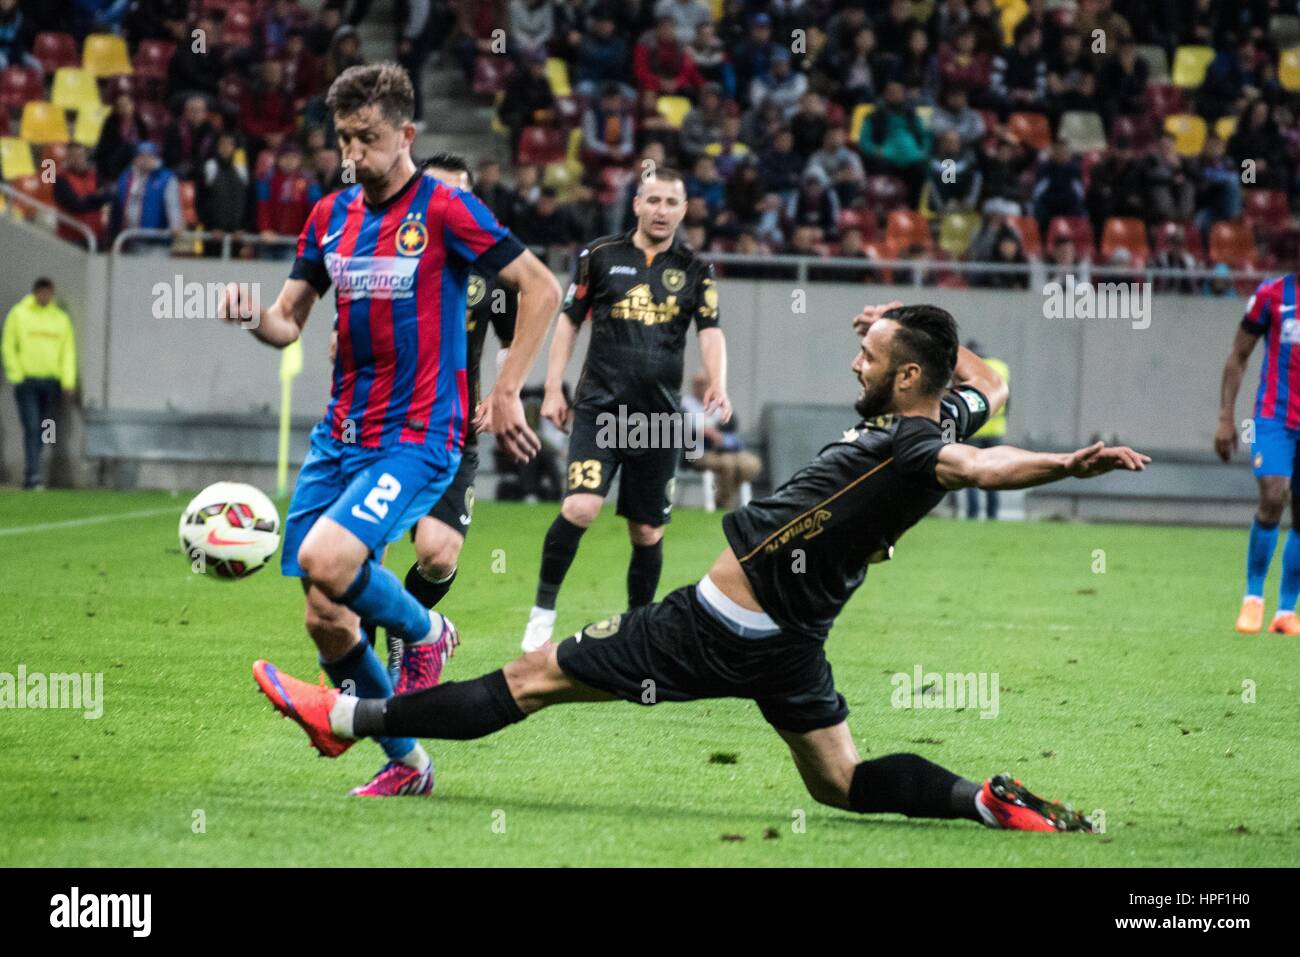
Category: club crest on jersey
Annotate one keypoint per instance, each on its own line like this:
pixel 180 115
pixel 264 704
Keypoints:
pixel 477 287
pixel 412 238
pixel 603 628
pixel 674 280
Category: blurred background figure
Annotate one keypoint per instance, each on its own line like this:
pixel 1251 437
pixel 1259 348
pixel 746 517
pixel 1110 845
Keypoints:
pixel 993 433
pixel 725 454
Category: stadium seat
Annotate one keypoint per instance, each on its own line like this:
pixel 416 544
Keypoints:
pixel 1083 130
pixel 490 75
pixel 43 123
pixel 15 158
pixel 957 232
pixel 153 58
pixel 907 227
pixel 18 84
pixel 1012 13
pixel 863 220
pixel 1031 240
pixel 1284 30
pixel 1189 133
pixel 673 109
pixel 155 117
pixel 36 187
pixel 74 89
pixel 1123 232
pixel 1139 130
pixel 239 26
pixel 1190 64
pixel 539 145
pixel 1032 129
pixel 884 192
pixel 1288 69
pixel 1224 127
pixel 55 50
pixel 230 89
pixel 860 114
pixel 1191 235
pixel 1078 228
pixel 1232 243
pixel 89 122
pixel 104 54
pixel 1265 210
pixel 1161 99
pixel 557 72
pixel 1157 62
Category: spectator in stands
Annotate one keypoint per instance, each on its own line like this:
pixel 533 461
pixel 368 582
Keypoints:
pixel 1064 262
pixel 190 139
pixel 528 188
pixel 809 125
pixel 955 179
pixel 986 21
pixel 40 360
pixel 344 51
pixel 1048 24
pixel 710 58
pixel 147 196
pixel 963 66
pixel 992 433
pixel 662 65
pixel 1058 189
pixel 895 140
pixel 546 224
pixel 265 111
pixel 1019 79
pixel 284 198
pixel 1257 139
pixel 782 86
pixel 1003 162
pixel 1006 251
pixel 781 166
pixel 16 37
pixel 804 241
pixel 918 68
pixel 1220 284
pixel 488 187
pixel 951 18
pixel 607 129
pixel 528 98
pixel 687 15
pixel 1218 186
pixel 1230 76
pixel 753 57
pixel 703 125
pixel 532 25
pixel 601 57
pixel 840 164
pixel 815 204
pixel 955 115
pixel 320 34
pixel 728 151
pixel 1177 258
pixel 302 70
pixel 705 183
pixel 78 193
pixel 893 28
pixel 1122 84
pixel 1170 183
pixel 724 451
pixel 753 204
pixel 197 68
pixel 223 198
pixel 284 17
pixel 123 131
pixel 476 32
pixel 418 32
pixel 859 75
pixel 841 33
pixel 328 169
pixel 1119 185
pixel 1100 15
pixel 1071 76
pixel 98 16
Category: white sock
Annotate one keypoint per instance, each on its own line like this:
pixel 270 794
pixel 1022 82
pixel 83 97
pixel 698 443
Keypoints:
pixel 435 631
pixel 985 813
pixel 418 758
pixel 345 706
pixel 544 616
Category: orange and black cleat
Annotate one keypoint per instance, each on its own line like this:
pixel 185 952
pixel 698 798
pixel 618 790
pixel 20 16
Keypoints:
pixel 1285 623
pixel 305 703
pixel 1015 808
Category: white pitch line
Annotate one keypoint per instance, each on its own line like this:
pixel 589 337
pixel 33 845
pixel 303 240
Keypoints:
pixel 80 522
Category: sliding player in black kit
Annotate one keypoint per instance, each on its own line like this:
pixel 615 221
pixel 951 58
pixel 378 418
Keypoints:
pixel 642 290
pixel 755 626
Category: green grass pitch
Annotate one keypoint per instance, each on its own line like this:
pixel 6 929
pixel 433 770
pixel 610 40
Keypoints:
pixel 1120 691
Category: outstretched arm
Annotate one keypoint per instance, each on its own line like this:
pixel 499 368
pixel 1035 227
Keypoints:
pixel 1225 436
pixel 1006 467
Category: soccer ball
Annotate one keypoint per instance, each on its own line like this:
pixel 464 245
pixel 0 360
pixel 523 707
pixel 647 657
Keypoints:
pixel 229 530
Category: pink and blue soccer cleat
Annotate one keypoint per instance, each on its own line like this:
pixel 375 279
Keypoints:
pixel 396 779
pixel 422 665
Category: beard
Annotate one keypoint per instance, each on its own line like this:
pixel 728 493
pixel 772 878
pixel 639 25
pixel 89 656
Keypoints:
pixel 876 400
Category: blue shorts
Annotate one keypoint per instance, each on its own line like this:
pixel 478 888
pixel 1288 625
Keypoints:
pixel 1274 450
pixel 376 494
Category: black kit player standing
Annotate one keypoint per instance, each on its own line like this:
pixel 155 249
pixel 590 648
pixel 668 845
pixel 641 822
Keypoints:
pixel 755 626
pixel 642 289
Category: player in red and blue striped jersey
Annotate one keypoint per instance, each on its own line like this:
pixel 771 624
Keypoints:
pixel 398 248
pixel 1270 315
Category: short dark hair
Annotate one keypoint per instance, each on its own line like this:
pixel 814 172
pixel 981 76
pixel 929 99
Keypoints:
pixel 665 173
pixel 449 161
pixel 927 335
pixel 385 85
pixel 42 283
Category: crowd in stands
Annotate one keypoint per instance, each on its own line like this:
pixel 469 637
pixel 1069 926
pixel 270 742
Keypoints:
pixel 1067 132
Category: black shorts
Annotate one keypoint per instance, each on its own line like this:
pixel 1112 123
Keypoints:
pixel 675 650
pixel 645 492
pixel 456 507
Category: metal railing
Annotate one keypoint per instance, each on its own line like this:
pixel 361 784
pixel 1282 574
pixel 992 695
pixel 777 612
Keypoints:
pixel 196 236
pixel 17 199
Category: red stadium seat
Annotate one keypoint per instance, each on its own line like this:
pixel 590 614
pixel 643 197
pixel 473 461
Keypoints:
pixel 1266 210
pixel 539 145
pixel 1163 99
pixel 1031 129
pixel 1191 236
pixel 37 188
pixel 230 90
pixel 54 50
pixel 189 210
pixel 153 57
pixel 1077 228
pixel 1031 240
pixel 905 228
pixel 155 117
pixel 1121 232
pixel 1233 243
pixel 237 29
pixel 134 85
pixel 884 193
pixel 20 85
pixel 863 220
pixel 1138 130
pixel 490 74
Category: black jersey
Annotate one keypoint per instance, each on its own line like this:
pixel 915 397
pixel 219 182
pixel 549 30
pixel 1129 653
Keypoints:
pixel 640 313
pixel 805 548
pixel 487 302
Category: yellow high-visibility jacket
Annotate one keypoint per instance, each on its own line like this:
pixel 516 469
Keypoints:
pixel 996 426
pixel 38 343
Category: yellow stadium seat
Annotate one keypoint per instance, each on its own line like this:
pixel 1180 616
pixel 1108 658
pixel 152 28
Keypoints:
pixel 673 109
pixel 497 125
pixel 89 122
pixel 105 55
pixel 1189 132
pixel 1225 127
pixel 1012 14
pixel 860 114
pixel 1288 69
pixel 573 148
pixel 557 72
pixel 1190 64
pixel 15 158
pixel 43 123
pixel 957 232
pixel 716 10
pixel 74 88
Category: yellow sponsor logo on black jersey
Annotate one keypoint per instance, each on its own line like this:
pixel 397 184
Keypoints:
pixel 639 306
pixel 808 527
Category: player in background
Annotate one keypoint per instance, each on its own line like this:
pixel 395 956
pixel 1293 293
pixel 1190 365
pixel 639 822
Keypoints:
pixel 1270 314
pixel 753 628
pixel 398 248
pixel 642 289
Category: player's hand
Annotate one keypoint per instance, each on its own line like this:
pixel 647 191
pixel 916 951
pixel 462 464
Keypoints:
pixel 503 415
pixel 237 308
pixel 1225 440
pixel 716 401
pixel 869 314
pixel 556 410
pixel 334 345
pixel 1098 459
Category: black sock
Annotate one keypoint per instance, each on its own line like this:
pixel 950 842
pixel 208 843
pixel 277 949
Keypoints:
pixel 457 710
pixel 643 573
pixel 909 784
pixel 371 631
pixel 427 593
pixel 558 549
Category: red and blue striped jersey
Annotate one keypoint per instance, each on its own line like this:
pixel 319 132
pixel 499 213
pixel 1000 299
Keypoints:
pixel 1271 313
pixel 400 272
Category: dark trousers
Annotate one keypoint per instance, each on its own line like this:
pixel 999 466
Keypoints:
pixel 973 494
pixel 38 400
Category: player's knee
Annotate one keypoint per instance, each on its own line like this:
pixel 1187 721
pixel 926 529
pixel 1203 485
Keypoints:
pixel 1272 500
pixel 581 510
pixel 644 534
pixel 326 567
pixel 438 556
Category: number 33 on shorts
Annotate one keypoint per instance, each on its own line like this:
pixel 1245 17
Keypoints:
pixel 377 499
pixel 584 474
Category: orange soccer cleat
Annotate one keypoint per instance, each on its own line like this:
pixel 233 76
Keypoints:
pixel 1251 618
pixel 305 703
pixel 1285 623
pixel 1015 808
